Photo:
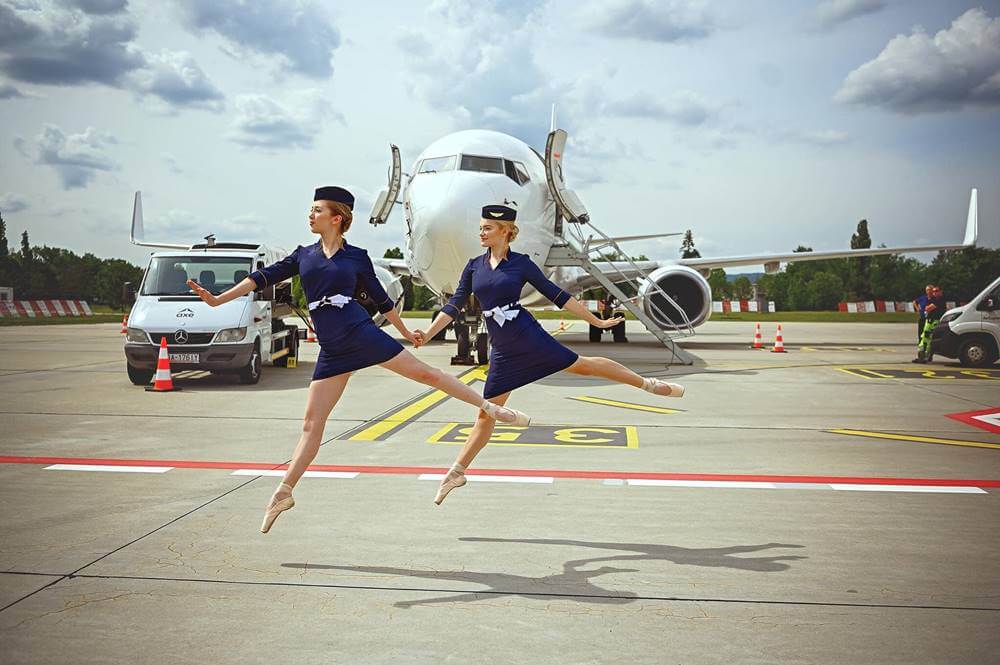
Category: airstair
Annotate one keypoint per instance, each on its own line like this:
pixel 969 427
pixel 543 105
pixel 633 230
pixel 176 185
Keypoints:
pixel 579 246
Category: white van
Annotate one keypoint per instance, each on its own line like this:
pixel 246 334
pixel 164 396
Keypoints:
pixel 238 337
pixel 971 332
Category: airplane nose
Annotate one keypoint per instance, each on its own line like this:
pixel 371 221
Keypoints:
pixel 446 209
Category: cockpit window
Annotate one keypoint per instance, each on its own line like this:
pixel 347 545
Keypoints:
pixel 482 164
pixel 515 171
pixel 435 164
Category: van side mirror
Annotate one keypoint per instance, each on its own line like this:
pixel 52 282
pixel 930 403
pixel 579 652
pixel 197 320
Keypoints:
pixel 128 294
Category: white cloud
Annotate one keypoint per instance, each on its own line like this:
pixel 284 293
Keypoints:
pixel 66 47
pixel 264 122
pixel 667 21
pixel 831 13
pixel 77 158
pixel 477 82
pixel 11 203
pixel 683 107
pixel 175 78
pixel 957 68
pixel 8 91
pixel 296 32
pixel 821 137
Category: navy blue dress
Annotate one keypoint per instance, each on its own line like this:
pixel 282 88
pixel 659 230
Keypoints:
pixel 348 338
pixel 522 352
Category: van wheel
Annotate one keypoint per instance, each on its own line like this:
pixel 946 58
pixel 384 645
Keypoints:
pixel 139 377
pixel 975 353
pixel 250 374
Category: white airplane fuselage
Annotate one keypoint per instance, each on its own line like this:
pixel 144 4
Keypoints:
pixel 443 201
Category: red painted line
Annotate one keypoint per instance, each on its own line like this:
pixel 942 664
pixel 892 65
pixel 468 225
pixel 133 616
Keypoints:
pixel 969 418
pixel 600 475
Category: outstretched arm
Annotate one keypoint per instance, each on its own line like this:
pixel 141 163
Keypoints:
pixel 574 306
pixel 241 289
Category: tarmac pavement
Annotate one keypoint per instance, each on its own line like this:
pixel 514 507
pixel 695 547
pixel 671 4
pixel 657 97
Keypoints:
pixel 817 506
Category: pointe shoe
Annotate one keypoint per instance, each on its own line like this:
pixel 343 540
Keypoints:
pixel 275 509
pixel 657 387
pixel 506 415
pixel 448 483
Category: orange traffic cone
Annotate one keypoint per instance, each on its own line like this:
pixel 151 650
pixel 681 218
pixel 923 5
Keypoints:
pixel 779 343
pixel 125 324
pixel 758 341
pixel 311 334
pixel 163 382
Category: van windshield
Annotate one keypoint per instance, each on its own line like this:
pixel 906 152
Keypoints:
pixel 167 275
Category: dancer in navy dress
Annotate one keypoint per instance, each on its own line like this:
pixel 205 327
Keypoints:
pixel 349 339
pixel 522 352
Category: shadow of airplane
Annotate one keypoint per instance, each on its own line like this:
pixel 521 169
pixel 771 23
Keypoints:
pixel 574 582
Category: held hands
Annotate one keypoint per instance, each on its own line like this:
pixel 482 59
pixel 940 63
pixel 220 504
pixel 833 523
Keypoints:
pixel 607 323
pixel 415 338
pixel 203 293
pixel 420 336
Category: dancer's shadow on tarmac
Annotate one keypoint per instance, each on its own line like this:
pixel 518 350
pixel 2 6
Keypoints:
pixel 574 583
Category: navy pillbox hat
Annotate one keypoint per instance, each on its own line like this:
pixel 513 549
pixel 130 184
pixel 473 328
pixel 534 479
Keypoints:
pixel 338 194
pixel 499 213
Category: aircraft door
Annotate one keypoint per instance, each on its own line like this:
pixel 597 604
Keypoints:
pixel 387 197
pixel 569 204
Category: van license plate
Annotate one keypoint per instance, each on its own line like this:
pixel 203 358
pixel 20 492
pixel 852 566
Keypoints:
pixel 185 357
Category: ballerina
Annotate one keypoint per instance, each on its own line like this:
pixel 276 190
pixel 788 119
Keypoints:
pixel 522 352
pixel 349 340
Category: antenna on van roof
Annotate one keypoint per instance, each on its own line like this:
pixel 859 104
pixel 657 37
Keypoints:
pixel 210 240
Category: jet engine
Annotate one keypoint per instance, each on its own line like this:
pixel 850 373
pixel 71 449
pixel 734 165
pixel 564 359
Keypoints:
pixel 686 287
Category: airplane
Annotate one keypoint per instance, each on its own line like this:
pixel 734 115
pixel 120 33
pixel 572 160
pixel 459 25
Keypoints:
pixel 456 175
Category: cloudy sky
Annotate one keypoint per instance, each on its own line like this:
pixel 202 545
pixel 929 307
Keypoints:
pixel 758 125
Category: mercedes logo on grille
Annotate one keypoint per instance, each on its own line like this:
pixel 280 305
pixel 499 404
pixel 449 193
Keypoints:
pixel 181 337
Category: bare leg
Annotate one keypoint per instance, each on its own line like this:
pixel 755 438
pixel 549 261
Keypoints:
pixel 609 369
pixel 406 364
pixel 482 430
pixel 323 395
pixel 478 438
pixel 606 369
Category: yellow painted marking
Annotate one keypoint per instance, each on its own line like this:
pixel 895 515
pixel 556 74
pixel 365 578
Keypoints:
pixel 563 437
pixel 852 372
pixel 625 405
pixel 918 439
pixel 397 418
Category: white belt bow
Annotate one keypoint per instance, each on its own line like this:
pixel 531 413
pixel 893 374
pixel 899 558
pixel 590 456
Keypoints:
pixel 337 300
pixel 503 314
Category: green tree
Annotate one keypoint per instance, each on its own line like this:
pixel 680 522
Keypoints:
pixel 859 282
pixel 687 247
pixel 25 247
pixel 742 288
pixel 963 273
pixel 801 294
pixel 827 290
pixel 719 284
pixel 4 250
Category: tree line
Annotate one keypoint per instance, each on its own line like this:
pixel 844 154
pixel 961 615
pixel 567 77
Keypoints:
pixel 51 272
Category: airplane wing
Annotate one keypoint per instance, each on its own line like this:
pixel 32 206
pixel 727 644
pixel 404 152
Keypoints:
pixel 397 267
pixel 771 261
pixel 576 281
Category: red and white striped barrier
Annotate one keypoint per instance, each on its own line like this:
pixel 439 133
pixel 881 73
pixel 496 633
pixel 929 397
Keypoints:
pixel 44 308
pixel 729 306
pixel 868 306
